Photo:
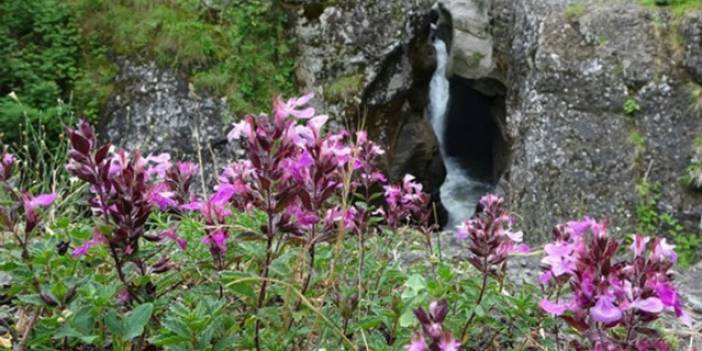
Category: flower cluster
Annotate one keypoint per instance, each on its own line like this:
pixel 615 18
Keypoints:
pixel 406 202
pixel 433 337
pixel 491 239
pixel 173 192
pixel 606 294
pixel 123 196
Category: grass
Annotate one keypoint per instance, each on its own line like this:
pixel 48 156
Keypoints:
pixel 696 97
pixel 574 11
pixel 240 50
pixel 344 87
pixel 679 7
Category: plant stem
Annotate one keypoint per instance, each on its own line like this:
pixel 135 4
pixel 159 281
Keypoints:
pixel 477 303
pixel 264 285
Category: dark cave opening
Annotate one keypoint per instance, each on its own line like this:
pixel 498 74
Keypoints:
pixel 473 132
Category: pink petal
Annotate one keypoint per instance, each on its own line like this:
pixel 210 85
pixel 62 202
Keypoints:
pixel 42 200
pixel 604 310
pixel 650 305
pixel 553 308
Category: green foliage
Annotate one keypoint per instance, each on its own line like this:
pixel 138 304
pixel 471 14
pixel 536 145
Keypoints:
pixel 574 11
pixel 343 88
pixel 40 55
pixel 631 106
pixel 696 97
pixel 238 49
pixel 679 7
pixel 652 221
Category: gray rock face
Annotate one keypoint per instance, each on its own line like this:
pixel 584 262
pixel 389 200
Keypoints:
pixel 371 62
pixel 156 111
pixel 569 73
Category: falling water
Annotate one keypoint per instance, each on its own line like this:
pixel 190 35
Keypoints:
pixel 460 191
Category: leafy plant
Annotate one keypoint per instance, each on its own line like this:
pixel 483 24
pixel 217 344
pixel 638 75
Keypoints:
pixel 651 220
pixel 631 106
pixel 303 245
pixel 611 303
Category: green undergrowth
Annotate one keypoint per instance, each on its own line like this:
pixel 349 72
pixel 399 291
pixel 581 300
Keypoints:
pixel 237 49
pixel 679 7
pixel 652 220
pixel 58 57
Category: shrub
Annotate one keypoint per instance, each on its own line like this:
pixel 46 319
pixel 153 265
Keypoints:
pixel 40 52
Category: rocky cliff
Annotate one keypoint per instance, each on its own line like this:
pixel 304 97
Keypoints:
pixel 592 98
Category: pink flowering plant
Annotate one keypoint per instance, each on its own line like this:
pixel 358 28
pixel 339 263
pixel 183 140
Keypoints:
pixel 610 302
pixel 303 244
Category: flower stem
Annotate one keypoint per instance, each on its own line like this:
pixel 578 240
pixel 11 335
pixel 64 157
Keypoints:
pixel 483 287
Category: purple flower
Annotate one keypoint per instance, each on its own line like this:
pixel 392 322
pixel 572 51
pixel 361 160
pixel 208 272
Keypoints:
pixel 639 244
pixel 417 344
pixel 82 250
pixel 650 305
pixel 172 235
pixel 293 107
pixel 217 241
pixel 448 343
pixel 161 164
pixel 604 310
pixel 553 308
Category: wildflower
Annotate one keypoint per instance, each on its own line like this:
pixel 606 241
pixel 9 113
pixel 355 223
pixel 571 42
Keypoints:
pixel 293 107
pixel 31 203
pixel 433 336
pixel 7 163
pixel 606 294
pixel 172 235
pixel 491 239
pixel 82 250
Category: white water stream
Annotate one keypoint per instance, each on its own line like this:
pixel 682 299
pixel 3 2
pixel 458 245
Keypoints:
pixel 460 192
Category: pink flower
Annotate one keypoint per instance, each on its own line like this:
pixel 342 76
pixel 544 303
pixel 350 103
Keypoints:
pixel 217 241
pixel 43 200
pixel 241 129
pixel 88 244
pixel 293 107
pixel 161 163
pixel 462 231
pixel 661 249
pixel 580 227
pixel 650 305
pixel 639 244
pixel 417 344
pixel 448 343
pixel 553 308
pixel 6 165
pixel 172 235
pixel 187 169
pixel 604 310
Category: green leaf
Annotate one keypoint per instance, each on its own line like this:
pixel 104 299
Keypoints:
pixel 413 286
pixel 408 318
pixel 137 320
pixel 114 324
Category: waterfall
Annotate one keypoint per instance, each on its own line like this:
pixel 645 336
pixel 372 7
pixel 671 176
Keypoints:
pixel 460 191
